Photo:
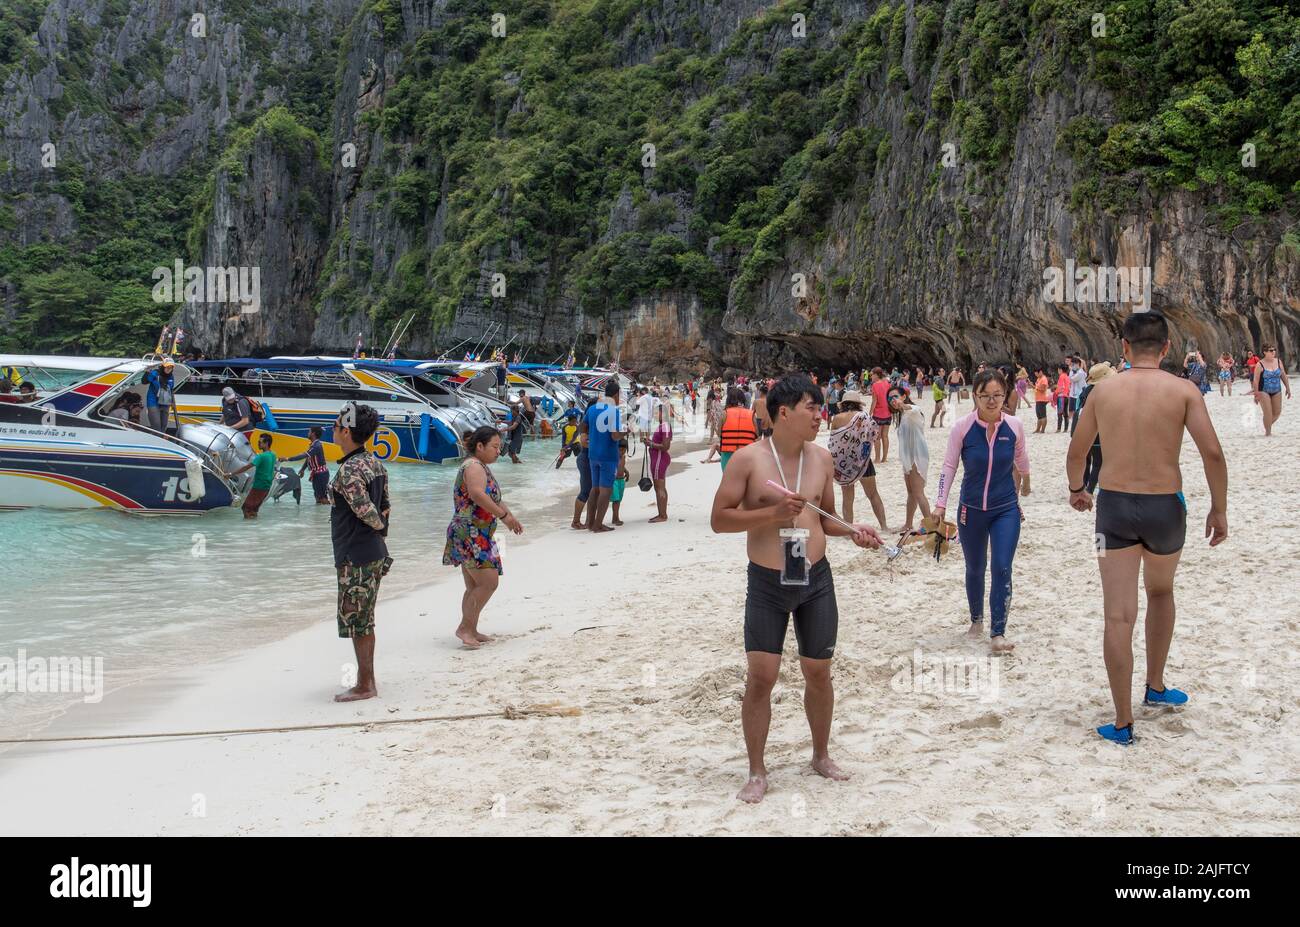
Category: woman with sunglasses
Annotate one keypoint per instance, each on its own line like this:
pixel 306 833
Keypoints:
pixel 1269 380
pixel 990 446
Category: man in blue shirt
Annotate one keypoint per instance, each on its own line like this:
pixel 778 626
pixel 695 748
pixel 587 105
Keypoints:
pixel 604 431
pixel 159 399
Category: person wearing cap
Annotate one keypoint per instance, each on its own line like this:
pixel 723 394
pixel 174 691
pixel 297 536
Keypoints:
pixel 1092 470
pixel 159 401
pixel 236 412
pixel 515 431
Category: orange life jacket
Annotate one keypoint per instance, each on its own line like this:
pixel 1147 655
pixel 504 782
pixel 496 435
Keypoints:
pixel 738 429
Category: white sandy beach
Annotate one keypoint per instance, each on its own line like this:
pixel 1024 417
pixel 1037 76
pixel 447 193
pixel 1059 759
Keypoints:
pixel 641 630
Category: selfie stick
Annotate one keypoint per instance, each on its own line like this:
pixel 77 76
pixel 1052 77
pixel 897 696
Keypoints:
pixel 889 550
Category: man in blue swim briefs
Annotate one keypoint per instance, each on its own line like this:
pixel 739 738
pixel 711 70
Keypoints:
pixel 1141 513
pixel 788 571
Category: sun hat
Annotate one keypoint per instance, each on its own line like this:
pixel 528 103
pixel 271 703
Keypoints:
pixel 1099 372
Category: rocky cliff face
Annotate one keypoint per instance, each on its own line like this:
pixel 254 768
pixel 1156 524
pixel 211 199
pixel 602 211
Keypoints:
pixel 925 243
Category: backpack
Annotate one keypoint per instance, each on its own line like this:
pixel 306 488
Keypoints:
pixel 255 411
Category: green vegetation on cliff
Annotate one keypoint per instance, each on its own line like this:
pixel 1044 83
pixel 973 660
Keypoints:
pixel 605 150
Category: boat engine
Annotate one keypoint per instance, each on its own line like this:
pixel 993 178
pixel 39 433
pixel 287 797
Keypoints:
pixel 224 445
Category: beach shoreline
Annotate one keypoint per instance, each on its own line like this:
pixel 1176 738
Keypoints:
pixel 640 631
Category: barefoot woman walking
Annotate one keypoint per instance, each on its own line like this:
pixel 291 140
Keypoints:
pixel 1268 381
pixel 470 545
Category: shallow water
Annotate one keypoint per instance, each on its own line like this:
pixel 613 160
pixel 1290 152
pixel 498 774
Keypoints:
pixel 158 594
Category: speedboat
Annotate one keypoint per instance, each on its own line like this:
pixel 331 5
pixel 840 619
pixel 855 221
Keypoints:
pixel 64 450
pixel 464 411
pixel 297 394
pixel 479 379
pixel 47 373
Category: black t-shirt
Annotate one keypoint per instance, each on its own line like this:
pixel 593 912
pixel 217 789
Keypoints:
pixel 232 412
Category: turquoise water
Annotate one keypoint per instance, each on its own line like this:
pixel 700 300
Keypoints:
pixel 152 595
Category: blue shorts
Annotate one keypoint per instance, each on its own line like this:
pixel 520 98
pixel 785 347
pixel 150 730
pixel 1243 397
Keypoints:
pixel 602 473
pixel 584 476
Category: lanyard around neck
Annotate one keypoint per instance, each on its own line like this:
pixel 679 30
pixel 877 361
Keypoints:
pixel 798 479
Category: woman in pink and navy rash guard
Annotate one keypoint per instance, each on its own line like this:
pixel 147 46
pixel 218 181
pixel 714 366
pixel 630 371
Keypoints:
pixel 990 445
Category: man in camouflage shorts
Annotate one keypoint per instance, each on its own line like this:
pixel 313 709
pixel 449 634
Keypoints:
pixel 358 592
pixel 358 526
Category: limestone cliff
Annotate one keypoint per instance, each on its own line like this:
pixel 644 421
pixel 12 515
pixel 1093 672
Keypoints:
pixel 828 182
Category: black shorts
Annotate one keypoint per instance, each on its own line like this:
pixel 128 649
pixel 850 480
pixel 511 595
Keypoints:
pixel 1157 521
pixel 1040 409
pixel 768 605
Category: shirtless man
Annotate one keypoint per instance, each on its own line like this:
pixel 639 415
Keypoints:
pixel 762 418
pixel 1141 513
pixel 785 538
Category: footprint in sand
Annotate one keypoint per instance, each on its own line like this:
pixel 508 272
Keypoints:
pixel 985 720
pixel 893 786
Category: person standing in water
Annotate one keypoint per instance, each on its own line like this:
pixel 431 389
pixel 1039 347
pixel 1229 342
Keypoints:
pixel 471 546
pixel 359 522
pixel 913 453
pixel 263 466
pixel 850 443
pixel 314 460
pixel 1269 379
pixel 990 446
pixel 1141 520
pixel 788 570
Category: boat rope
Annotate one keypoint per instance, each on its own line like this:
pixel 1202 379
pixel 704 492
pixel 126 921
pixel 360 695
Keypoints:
pixel 510 713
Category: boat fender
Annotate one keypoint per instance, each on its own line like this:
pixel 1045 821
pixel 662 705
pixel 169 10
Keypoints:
pixel 194 478
pixel 425 420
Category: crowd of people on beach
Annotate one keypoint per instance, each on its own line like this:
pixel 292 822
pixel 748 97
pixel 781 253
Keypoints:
pixel 777 484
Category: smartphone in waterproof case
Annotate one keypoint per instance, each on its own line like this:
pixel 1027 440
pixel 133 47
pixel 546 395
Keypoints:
pixel 794 564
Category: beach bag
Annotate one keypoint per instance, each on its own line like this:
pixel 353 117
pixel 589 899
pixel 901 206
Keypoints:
pixel 965 393
pixel 645 484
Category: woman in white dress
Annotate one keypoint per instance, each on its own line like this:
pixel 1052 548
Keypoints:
pixel 913 454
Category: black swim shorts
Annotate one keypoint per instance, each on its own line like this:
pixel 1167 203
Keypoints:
pixel 1157 521
pixel 768 606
